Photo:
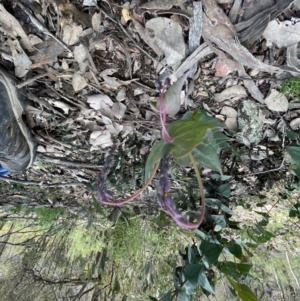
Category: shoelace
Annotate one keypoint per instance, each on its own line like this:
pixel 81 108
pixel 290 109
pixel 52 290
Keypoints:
pixel 3 171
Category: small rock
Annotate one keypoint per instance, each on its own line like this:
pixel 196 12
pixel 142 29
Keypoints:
pixel 250 125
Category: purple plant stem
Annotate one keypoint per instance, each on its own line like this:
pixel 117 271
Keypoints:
pixel 163 118
pixel 103 199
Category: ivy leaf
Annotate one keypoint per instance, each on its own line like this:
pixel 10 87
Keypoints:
pixel 183 161
pixel 207 156
pixel 235 270
pixel 235 249
pixel 216 139
pixel 295 211
pixel 203 281
pixel 242 290
pixel 167 296
pixel 217 204
pixel 182 296
pixel 187 134
pixel 200 116
pixel 210 251
pixel 157 152
pixel 192 272
pixel 224 190
pixel 220 222
pixel 294 152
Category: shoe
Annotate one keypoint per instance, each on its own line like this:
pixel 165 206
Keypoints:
pixel 17 146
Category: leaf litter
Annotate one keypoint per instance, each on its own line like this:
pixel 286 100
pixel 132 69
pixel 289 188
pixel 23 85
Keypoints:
pixel 100 66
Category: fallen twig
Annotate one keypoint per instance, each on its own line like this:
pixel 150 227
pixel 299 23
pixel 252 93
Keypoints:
pixel 41 184
pixel 67 162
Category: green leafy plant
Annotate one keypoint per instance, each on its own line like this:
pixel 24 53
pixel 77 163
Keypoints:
pixel 196 138
pixel 291 87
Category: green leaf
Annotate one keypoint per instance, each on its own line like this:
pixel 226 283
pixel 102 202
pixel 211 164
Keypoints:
pixel 210 251
pixel 192 256
pixel 166 296
pixel 192 272
pixel 260 235
pixel 187 134
pixel 152 298
pixel 182 296
pixel 97 206
pixel 218 140
pixel 217 204
pixel 292 135
pixel 235 249
pixel 157 152
pixel 202 235
pixel 201 116
pixel 203 281
pixel 235 270
pixel 183 161
pixel 242 290
pixel 172 98
pixel 224 190
pixel 296 170
pixel 220 222
pixel 294 152
pixel 295 212
pixel 207 156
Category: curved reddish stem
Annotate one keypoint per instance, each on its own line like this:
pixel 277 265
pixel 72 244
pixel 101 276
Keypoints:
pixel 122 202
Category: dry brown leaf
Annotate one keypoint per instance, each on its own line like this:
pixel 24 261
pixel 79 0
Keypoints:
pixel 295 123
pixel 114 128
pixel 13 28
pixel 277 102
pixel 81 57
pixel 167 35
pixel 71 34
pixel 34 40
pixel 19 58
pixel 144 34
pixel 89 3
pixel 46 53
pixel 100 138
pixel 118 110
pixel 96 100
pixel 111 81
pixel 126 15
pixel 121 94
pixel 231 118
pixel 264 119
pixel 86 19
pixel 96 21
pixel 232 93
pixel 78 82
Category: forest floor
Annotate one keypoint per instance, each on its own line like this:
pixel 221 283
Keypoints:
pixel 89 70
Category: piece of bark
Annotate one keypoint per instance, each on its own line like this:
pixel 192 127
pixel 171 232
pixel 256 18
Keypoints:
pixel 234 11
pixel 202 51
pixel 253 27
pixel 195 27
pixel 218 29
